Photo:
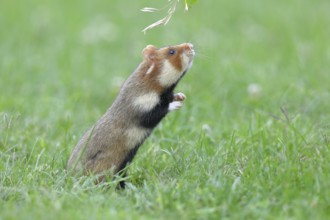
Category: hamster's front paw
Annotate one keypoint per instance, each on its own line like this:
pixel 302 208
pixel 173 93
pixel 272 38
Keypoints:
pixel 179 96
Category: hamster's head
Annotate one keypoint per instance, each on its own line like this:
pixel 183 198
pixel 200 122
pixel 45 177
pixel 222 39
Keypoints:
pixel 166 66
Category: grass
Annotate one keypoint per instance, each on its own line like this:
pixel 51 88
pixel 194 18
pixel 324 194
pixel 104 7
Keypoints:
pixel 228 153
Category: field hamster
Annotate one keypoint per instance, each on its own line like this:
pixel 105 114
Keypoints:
pixel 143 101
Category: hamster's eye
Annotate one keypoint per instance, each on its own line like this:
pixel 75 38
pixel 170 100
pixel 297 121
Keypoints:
pixel 171 52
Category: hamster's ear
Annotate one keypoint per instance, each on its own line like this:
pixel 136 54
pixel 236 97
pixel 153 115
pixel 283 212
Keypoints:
pixel 149 52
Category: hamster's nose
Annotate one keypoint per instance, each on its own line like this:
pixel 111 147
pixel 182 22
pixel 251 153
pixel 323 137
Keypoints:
pixel 190 47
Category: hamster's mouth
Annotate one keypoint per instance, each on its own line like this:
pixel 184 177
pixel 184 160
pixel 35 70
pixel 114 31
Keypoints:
pixel 192 52
pixel 191 55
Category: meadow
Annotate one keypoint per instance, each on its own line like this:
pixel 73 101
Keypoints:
pixel 251 142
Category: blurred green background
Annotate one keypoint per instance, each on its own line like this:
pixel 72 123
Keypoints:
pixel 251 142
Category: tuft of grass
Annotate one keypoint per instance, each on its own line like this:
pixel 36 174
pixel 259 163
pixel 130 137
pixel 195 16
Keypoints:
pixel 251 142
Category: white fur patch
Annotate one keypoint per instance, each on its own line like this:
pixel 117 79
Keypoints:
pixel 147 101
pixel 135 135
pixel 151 68
pixel 185 61
pixel 169 74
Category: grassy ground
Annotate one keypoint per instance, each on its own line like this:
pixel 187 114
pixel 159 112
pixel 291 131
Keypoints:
pixel 251 142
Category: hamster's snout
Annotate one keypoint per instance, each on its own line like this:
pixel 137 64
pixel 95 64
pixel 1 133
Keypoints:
pixel 190 48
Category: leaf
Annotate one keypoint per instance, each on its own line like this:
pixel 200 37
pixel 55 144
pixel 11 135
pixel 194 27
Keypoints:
pixel 189 3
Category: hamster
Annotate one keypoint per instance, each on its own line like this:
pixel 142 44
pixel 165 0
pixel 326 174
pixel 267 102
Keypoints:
pixel 144 100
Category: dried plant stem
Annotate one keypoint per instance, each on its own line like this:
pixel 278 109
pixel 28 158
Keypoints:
pixel 165 20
